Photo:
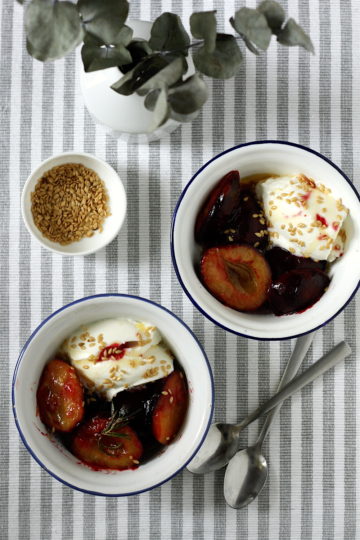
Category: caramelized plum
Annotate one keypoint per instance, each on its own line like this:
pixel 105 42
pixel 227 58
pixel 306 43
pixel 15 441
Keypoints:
pixel 60 396
pixel 297 290
pixel 231 215
pixel 238 276
pixel 281 261
pixel 170 409
pixel 138 403
pixel 99 446
pixel 222 204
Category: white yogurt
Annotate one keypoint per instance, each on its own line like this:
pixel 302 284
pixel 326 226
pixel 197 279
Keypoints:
pixel 303 217
pixel 144 357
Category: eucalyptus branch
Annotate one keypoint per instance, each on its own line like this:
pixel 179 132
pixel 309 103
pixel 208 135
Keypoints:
pixel 157 68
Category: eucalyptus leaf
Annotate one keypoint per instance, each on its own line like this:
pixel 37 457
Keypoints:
pixel 151 99
pixel 161 111
pixel 138 76
pixel 126 84
pixel 189 96
pixel 274 13
pixel 292 34
pixel 184 117
pixel 167 76
pixel 203 26
pixel 138 49
pixel 97 55
pixel 141 45
pixel 124 36
pixel 224 62
pixel 168 33
pixel 53 29
pixel 253 27
pixel 247 41
pixel 104 18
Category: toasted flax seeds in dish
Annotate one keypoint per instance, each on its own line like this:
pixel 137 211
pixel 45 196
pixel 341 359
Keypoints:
pixel 69 203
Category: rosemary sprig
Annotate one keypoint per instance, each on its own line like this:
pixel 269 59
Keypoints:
pixel 118 420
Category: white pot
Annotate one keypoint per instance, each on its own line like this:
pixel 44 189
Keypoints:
pixel 123 117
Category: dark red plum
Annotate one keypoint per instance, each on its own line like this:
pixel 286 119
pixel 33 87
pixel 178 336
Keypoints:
pixel 238 276
pixel 281 260
pixel 297 290
pixel 231 215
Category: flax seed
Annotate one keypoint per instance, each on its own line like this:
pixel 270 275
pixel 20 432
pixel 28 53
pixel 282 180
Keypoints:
pixel 64 208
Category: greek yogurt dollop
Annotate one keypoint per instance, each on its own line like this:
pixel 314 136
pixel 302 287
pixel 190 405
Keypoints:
pixel 303 217
pixel 112 355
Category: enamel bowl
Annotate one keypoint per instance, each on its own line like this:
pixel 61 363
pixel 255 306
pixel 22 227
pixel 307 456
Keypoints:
pixel 117 204
pixel 52 455
pixel 281 158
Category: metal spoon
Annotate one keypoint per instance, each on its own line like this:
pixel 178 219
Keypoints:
pixel 247 471
pixel 222 440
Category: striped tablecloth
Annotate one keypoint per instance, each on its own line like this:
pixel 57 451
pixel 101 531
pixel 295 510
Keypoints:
pixel 313 450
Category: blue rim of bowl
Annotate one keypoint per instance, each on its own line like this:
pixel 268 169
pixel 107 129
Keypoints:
pixel 172 249
pixel 104 295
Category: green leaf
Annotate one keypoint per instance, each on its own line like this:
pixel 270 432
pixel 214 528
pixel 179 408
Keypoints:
pixel 247 41
pixel 151 99
pixel 203 26
pixel 168 33
pixel 274 13
pixel 184 117
pixel 138 49
pixel 96 55
pixel 189 96
pixel 167 76
pixel 224 62
pixel 161 110
pixel 53 29
pixel 292 34
pixel 135 78
pixel 124 36
pixel 252 27
pixel 104 18
pixel 125 85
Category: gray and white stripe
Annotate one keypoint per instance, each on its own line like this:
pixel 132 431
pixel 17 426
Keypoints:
pixel 313 450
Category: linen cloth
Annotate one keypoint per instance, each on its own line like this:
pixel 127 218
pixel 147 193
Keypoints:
pixel 313 490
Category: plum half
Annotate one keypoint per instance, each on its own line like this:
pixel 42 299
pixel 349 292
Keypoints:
pixel 231 215
pixel 238 276
pixel 281 261
pixel 297 290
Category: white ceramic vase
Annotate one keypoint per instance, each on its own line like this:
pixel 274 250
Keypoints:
pixel 123 117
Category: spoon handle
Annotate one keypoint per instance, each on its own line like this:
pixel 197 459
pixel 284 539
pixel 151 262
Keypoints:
pixel 326 362
pixel 302 346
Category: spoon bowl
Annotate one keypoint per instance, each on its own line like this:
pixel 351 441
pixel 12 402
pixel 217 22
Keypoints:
pixel 250 469
pixel 220 445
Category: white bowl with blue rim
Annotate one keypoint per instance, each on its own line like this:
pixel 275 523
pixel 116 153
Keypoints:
pixel 52 455
pixel 282 158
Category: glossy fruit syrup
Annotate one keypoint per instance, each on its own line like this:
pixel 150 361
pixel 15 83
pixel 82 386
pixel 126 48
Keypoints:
pixel 237 266
pixel 124 433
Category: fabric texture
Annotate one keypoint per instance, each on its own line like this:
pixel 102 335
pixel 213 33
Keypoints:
pixel 313 450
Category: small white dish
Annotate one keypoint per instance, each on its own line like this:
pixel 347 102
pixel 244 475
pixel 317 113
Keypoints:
pixel 117 204
pixel 52 455
pixel 281 158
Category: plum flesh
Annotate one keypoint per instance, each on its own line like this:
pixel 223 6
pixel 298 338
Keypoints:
pixel 297 290
pixel 281 261
pixel 230 215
